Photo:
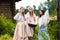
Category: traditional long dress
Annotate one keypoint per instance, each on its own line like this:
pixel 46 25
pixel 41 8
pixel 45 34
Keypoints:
pixel 42 31
pixel 30 29
pixel 20 30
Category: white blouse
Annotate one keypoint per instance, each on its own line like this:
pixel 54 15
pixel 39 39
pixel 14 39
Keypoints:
pixel 41 20
pixel 19 17
pixel 44 19
pixel 28 17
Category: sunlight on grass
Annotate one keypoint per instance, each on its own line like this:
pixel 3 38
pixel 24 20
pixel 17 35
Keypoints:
pixel 5 37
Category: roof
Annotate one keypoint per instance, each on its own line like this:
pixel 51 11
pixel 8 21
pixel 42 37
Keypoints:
pixel 17 0
pixel 9 0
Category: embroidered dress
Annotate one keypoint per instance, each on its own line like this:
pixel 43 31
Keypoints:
pixel 20 30
pixel 42 31
pixel 30 29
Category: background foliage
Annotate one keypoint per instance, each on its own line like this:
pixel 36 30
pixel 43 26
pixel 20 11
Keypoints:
pixel 6 26
pixel 54 30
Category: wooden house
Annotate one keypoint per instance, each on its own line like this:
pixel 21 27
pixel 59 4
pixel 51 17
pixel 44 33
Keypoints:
pixel 7 7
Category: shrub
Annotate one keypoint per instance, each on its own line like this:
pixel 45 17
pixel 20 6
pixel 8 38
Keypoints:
pixel 5 37
pixel 54 30
pixel 6 26
pixel 36 33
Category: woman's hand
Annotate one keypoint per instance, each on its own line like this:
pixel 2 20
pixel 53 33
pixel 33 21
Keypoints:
pixel 29 21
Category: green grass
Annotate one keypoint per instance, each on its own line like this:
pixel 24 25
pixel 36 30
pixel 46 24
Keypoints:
pixel 6 37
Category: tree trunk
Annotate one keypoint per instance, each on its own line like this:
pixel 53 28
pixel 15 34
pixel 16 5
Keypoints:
pixel 58 10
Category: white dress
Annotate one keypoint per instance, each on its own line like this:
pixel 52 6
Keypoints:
pixel 30 29
pixel 42 31
pixel 20 30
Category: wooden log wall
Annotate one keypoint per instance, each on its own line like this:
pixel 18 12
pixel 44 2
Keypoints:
pixel 7 8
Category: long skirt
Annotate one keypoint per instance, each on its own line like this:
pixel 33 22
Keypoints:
pixel 29 31
pixel 20 32
pixel 43 34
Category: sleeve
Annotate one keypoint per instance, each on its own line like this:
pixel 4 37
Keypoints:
pixel 16 17
pixel 27 17
pixel 40 22
pixel 36 18
pixel 46 17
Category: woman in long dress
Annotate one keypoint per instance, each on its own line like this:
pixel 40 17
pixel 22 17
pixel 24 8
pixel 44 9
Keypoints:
pixel 20 30
pixel 31 19
pixel 43 20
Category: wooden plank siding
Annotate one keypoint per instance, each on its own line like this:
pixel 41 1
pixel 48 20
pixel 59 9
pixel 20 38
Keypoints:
pixel 8 8
pixel 5 9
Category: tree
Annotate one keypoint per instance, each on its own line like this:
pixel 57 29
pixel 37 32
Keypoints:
pixel 34 7
pixel 52 6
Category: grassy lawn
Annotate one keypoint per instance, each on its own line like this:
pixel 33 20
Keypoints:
pixel 5 37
